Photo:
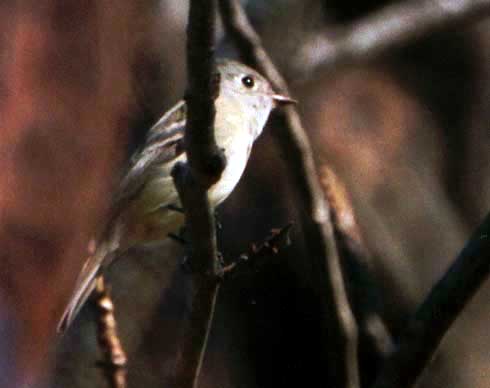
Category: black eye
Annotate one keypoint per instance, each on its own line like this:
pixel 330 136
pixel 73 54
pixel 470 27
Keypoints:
pixel 248 81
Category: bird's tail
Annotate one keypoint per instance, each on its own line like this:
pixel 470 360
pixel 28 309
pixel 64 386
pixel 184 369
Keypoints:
pixel 85 284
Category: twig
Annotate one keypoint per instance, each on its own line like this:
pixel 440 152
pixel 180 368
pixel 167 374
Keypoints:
pixel 114 364
pixel 205 165
pixel 392 27
pixel 433 318
pixel 269 246
pixel 340 327
pixel 375 341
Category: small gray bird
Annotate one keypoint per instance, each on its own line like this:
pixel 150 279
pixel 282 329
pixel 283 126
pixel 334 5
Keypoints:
pixel 145 207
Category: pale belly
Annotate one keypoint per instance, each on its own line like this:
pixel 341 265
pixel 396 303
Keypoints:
pixel 149 219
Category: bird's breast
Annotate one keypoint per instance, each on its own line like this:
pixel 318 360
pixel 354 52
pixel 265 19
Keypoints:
pixel 236 160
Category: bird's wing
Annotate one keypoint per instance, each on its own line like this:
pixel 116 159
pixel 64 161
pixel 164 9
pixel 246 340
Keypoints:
pixel 172 119
pixel 164 144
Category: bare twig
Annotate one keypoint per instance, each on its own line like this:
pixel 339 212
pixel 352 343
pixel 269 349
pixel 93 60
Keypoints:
pixel 392 27
pixel 375 341
pixel 206 163
pixel 114 364
pixel 269 246
pixel 340 327
pixel 439 310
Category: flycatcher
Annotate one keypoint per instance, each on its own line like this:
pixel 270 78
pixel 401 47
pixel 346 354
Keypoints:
pixel 146 204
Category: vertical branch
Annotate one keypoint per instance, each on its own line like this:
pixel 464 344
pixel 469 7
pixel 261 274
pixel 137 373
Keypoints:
pixel 203 259
pixel 375 341
pixel 205 159
pixel 339 322
pixel 114 365
pixel 205 165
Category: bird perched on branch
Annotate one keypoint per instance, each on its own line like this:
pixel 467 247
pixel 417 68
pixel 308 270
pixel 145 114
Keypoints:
pixel 146 206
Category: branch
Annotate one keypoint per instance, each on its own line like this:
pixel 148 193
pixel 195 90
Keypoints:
pixel 375 341
pixel 340 327
pixel 204 262
pixel 205 158
pixel 439 310
pixel 205 165
pixel 115 361
pixel 392 27
pixel 269 246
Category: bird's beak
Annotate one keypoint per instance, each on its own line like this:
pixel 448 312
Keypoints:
pixel 281 100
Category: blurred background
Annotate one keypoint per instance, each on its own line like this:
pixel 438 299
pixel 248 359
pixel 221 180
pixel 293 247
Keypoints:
pixel 408 134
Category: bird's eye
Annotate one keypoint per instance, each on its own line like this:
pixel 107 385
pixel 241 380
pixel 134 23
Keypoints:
pixel 248 81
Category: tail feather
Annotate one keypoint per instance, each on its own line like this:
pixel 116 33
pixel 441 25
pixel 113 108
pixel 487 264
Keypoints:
pixel 85 284
pixel 76 304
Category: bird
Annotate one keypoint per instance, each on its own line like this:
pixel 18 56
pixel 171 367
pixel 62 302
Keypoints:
pixel 145 206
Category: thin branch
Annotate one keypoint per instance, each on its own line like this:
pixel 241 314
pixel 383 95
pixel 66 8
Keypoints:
pixel 114 364
pixel 340 327
pixel 392 27
pixel 269 246
pixel 205 165
pixel 375 341
pixel 433 318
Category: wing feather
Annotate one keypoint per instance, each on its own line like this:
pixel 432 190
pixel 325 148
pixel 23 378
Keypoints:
pixel 164 144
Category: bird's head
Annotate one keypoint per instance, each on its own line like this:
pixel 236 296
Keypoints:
pixel 241 86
